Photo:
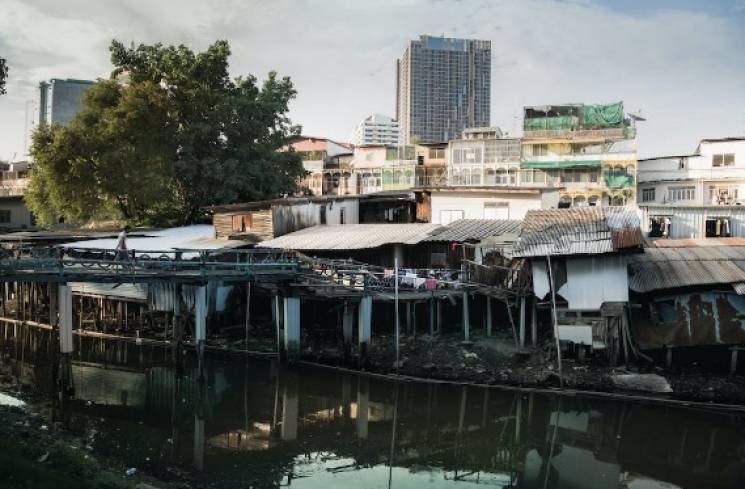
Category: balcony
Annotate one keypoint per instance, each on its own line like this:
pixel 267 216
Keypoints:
pixel 582 134
pixel 13 187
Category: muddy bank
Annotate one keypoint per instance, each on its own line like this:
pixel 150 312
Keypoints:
pixel 496 361
pixel 38 452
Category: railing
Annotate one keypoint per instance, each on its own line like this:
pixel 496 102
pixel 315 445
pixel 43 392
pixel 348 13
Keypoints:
pixel 361 276
pixel 87 261
pixel 517 278
pixel 13 187
pixel 614 133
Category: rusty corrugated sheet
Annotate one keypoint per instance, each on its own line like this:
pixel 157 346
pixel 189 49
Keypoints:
pixel 474 229
pixel 670 268
pixel 351 236
pixel 578 231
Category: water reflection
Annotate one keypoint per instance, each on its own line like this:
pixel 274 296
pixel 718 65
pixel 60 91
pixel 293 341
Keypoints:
pixel 254 424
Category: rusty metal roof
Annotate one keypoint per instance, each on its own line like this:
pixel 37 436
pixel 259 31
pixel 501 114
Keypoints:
pixel 351 236
pixel 578 231
pixel 670 268
pixel 475 229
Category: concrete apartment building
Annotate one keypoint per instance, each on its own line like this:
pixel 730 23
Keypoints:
pixel 60 100
pixel 376 129
pixel 14 214
pixel 322 157
pixel 588 150
pixel 443 85
pixel 697 195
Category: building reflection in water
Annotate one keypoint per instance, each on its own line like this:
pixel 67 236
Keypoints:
pixel 255 423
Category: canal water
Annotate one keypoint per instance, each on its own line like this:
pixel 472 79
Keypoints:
pixel 253 424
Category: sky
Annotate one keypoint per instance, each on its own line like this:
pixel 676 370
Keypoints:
pixel 680 63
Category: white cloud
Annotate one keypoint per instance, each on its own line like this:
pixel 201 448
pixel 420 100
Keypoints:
pixel 681 68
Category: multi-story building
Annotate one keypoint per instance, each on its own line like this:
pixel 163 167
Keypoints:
pixel 13 182
pixel 379 167
pixel 714 174
pixel 695 195
pixel 376 129
pixel 589 150
pixel 443 86
pixel 60 100
pixel 320 156
pixel 484 157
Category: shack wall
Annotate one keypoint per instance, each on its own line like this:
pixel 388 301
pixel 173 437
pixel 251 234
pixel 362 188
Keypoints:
pixel 590 280
pixel 689 319
pixel 689 222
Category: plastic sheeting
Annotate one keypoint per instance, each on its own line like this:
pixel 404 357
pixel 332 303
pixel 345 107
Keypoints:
pixel 554 165
pixel 602 115
pixel 550 123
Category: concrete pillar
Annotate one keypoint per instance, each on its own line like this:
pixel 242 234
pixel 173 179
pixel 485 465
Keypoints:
pixel 200 313
pixel 292 326
pixel 347 325
pixel 199 442
pixel 365 327
pixel 65 318
pixel 64 303
pixel 277 317
pixel 466 319
pixel 289 406
pixel 363 396
pixel 522 322
pixel 489 320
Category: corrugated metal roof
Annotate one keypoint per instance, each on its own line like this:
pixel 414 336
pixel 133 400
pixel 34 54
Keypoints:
pixel 351 236
pixel 578 231
pixel 136 291
pixel 195 237
pixel 474 229
pixel 670 268
pixel 694 243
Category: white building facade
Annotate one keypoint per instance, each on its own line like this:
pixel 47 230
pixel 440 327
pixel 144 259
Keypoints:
pixel 694 196
pixel 713 175
pixel 376 129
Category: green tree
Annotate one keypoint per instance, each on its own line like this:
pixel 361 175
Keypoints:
pixel 170 134
pixel 3 75
pixel 112 160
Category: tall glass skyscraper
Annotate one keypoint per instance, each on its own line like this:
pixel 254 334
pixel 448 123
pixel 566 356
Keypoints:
pixel 443 86
pixel 59 100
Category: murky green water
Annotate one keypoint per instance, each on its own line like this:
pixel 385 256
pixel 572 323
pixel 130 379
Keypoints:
pixel 252 424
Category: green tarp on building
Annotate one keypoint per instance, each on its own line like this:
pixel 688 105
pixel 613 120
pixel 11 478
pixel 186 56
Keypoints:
pixel 554 165
pixel 618 180
pixel 600 116
pixel 550 123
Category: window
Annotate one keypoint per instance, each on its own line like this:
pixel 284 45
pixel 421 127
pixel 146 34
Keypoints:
pixel 717 228
pixel 496 210
pixel 648 194
pixel 436 153
pixel 5 216
pixel 448 216
pixel 540 149
pixel 726 159
pixel 242 222
pixel 681 193
pixel 666 311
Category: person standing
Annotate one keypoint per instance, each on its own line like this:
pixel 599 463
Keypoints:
pixel 121 244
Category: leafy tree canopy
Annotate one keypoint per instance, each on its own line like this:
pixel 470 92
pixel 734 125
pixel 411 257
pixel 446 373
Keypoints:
pixel 3 75
pixel 168 135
